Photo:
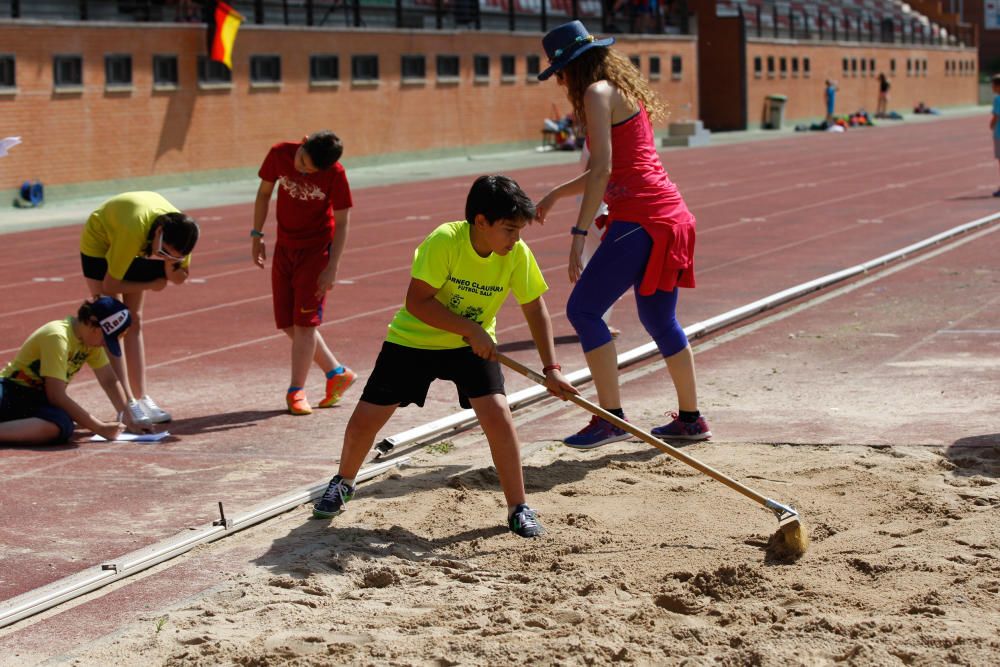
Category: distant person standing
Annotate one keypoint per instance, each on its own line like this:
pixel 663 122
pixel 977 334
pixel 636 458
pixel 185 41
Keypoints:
pixel 133 243
pixel 313 212
pixel 883 96
pixel 995 122
pixel 830 95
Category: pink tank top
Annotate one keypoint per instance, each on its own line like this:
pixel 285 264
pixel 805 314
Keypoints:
pixel 640 191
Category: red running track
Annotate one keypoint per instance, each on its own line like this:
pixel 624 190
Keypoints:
pixel 771 214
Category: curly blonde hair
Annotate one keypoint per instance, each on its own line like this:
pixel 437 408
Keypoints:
pixel 605 64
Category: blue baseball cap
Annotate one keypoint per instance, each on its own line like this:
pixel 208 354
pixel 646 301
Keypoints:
pixel 564 44
pixel 114 318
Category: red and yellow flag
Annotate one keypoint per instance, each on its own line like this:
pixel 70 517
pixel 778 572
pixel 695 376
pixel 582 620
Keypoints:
pixel 222 33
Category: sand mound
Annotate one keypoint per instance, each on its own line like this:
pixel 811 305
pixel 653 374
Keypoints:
pixel 645 561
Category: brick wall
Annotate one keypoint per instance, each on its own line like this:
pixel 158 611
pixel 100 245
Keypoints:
pixel 96 135
pixel 938 87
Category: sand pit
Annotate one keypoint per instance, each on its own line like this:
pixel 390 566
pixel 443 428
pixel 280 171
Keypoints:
pixel 646 561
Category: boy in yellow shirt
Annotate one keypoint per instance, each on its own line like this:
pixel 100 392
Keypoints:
pixel 461 275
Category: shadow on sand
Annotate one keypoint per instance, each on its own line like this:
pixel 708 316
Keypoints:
pixel 975 455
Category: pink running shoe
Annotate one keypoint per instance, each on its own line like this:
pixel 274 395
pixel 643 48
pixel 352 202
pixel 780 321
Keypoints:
pixel 678 430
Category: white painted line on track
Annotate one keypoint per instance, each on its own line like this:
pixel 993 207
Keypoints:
pixel 975 332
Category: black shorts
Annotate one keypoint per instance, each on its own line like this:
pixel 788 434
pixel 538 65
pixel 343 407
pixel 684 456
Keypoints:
pixel 403 374
pixel 141 270
pixel 19 402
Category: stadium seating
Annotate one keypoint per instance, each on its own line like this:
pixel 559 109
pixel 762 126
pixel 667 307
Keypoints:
pixel 860 20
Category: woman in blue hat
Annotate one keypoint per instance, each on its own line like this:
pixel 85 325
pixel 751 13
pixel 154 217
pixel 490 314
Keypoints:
pixel 649 244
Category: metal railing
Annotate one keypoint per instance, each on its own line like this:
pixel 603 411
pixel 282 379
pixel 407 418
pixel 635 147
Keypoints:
pixel 670 16
pixel 850 24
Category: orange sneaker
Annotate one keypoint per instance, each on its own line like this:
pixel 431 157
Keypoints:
pixel 297 402
pixel 336 386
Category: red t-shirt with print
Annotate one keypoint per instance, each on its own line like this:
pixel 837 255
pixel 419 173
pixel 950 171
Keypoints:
pixel 306 202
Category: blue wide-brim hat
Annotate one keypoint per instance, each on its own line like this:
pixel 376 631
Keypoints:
pixel 565 43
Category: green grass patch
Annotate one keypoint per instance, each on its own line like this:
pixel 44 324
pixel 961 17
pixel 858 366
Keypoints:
pixel 442 447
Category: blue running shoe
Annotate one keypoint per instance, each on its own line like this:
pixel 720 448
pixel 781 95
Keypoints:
pixel 524 522
pixel 678 430
pixel 334 501
pixel 598 432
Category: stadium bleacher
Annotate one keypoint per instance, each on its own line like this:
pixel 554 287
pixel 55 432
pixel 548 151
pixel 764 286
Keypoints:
pixel 892 21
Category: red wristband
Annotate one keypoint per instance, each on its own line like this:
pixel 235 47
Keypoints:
pixel 551 367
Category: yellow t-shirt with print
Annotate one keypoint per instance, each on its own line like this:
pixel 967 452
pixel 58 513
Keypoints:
pixel 468 285
pixel 53 351
pixel 118 230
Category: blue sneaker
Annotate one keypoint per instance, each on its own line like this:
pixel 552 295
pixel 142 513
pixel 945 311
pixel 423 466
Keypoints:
pixel 678 430
pixel 598 432
pixel 524 522
pixel 334 500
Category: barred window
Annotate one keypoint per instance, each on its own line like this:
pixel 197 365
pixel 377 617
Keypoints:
pixel 508 66
pixel 532 65
pixel 67 70
pixel 481 66
pixel 118 69
pixel 8 71
pixel 165 70
pixel 447 67
pixel 324 68
pixel 413 67
pixel 676 66
pixel 265 69
pixel 364 68
pixel 212 71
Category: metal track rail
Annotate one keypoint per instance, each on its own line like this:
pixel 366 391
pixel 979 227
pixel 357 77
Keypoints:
pixel 76 585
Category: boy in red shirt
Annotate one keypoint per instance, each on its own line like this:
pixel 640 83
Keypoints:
pixel 313 212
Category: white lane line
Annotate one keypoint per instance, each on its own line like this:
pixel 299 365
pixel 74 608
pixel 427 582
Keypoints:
pixel 975 332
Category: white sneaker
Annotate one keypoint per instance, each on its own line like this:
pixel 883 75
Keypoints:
pixel 155 413
pixel 138 416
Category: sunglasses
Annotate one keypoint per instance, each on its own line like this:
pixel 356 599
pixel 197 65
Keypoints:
pixel 163 253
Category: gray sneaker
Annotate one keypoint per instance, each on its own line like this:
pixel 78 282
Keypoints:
pixel 524 522
pixel 156 414
pixel 137 416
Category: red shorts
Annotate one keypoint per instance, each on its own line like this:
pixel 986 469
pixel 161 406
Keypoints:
pixel 294 273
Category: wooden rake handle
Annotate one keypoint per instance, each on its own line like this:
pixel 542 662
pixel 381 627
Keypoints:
pixel 648 438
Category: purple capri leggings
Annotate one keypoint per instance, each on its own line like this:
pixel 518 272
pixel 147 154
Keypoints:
pixel 619 263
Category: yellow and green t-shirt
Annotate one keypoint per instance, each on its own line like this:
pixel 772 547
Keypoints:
pixel 468 285
pixel 52 351
pixel 119 229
